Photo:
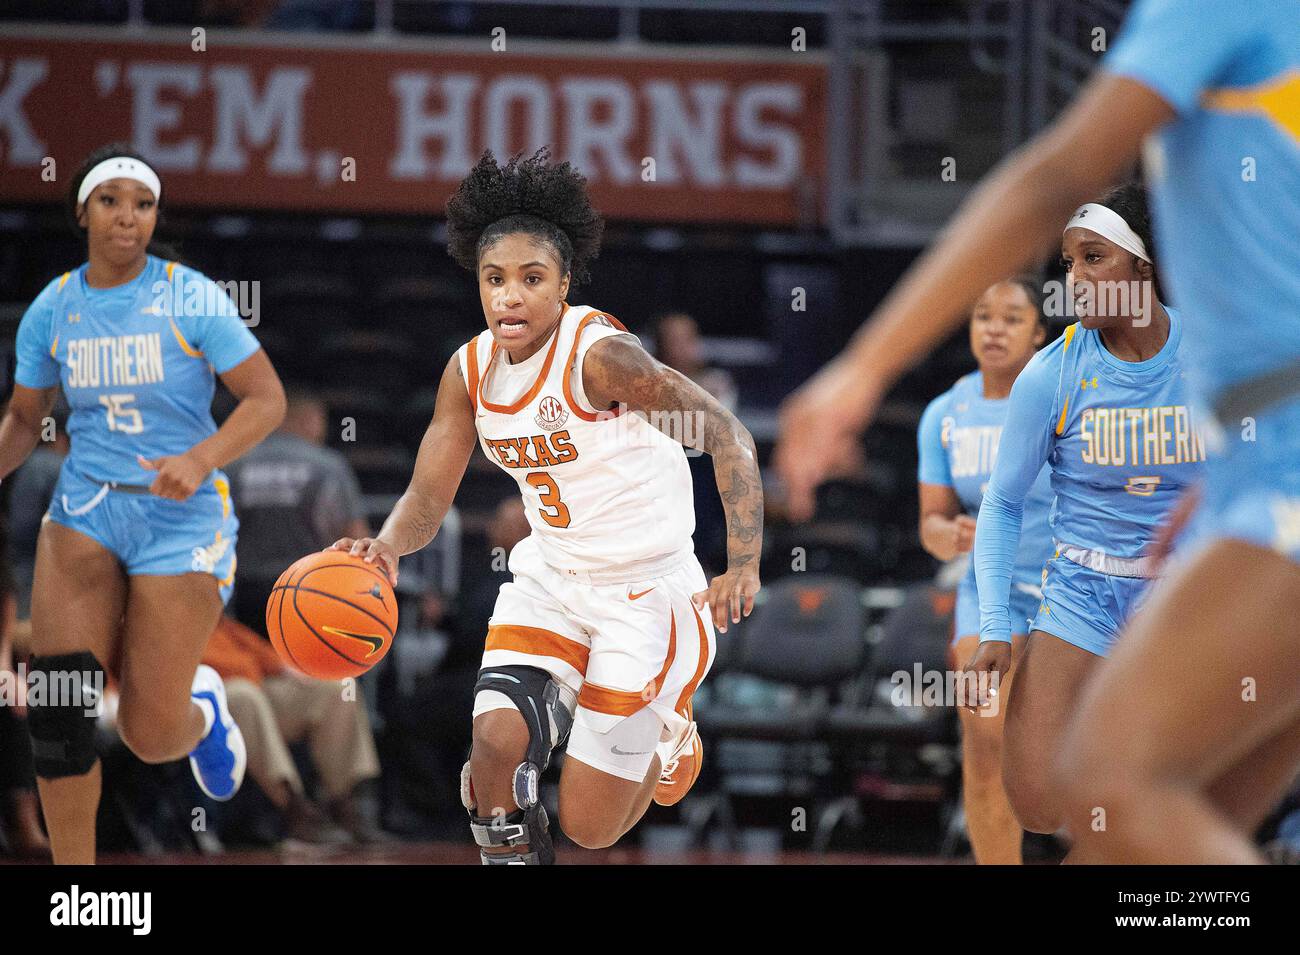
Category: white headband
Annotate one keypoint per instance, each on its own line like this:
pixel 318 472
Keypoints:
pixel 1108 224
pixel 119 167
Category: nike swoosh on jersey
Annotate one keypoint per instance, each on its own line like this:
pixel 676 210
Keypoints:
pixel 641 594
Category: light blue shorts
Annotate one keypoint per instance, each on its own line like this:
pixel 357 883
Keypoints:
pixel 154 536
pixel 1023 607
pixel 1252 485
pixel 1086 607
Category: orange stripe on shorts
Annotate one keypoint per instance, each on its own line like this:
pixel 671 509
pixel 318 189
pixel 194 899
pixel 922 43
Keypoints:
pixel 603 699
pixel 538 642
pixel 684 700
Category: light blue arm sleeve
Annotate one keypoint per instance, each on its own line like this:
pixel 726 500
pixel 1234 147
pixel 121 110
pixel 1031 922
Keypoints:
pixel 1178 48
pixel 1025 444
pixel 219 332
pixel 931 457
pixel 35 366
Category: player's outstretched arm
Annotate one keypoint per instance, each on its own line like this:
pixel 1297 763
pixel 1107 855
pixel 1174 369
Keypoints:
pixel 617 370
pixel 439 466
pixel 1009 220
pixel 20 428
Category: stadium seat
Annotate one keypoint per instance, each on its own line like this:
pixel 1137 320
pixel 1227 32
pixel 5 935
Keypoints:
pixel 764 712
pixel 878 731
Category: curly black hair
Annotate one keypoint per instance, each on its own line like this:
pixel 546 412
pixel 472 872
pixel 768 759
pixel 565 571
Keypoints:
pixel 535 196
pixel 165 250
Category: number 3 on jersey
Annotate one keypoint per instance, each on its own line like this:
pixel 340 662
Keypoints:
pixel 550 499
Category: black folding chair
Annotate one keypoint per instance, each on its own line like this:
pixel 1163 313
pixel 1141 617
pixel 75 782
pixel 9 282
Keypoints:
pixel 763 714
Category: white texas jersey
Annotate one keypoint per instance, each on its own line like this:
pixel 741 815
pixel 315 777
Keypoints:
pixel 601 488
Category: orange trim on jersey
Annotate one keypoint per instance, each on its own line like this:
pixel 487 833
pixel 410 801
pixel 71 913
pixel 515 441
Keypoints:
pixel 180 340
pixel 222 487
pixel 538 642
pixel 1060 424
pixel 171 267
pixel 63 280
pixel 54 347
pixel 1069 336
pixel 684 700
pixel 528 396
pixel 602 699
pixel 471 367
pixel 1277 99
pixel 569 366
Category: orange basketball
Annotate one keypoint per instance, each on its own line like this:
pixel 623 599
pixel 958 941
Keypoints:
pixel 332 615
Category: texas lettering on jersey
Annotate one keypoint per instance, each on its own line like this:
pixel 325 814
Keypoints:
pixel 534 451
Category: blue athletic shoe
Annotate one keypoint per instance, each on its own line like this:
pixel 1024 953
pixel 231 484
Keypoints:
pixel 218 761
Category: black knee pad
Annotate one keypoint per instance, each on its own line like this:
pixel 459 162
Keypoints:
pixel 63 696
pixel 543 702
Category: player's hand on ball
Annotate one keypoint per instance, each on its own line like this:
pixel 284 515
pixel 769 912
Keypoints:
pixel 372 550
pixel 989 665
pixel 729 596
pixel 179 475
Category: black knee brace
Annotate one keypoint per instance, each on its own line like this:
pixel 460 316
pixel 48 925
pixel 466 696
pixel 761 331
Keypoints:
pixel 64 691
pixel 539 699
pixel 543 703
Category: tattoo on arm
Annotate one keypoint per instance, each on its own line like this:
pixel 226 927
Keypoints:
pixel 618 370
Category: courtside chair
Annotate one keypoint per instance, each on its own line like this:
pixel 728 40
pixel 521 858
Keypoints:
pixel 765 711
pixel 893 748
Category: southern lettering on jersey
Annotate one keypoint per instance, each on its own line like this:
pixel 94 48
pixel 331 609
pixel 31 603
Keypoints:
pixel 115 361
pixel 972 449
pixel 534 451
pixel 966 439
pixel 1126 441
pixel 138 380
pixel 1139 437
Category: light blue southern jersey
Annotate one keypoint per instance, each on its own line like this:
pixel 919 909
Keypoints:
pixel 1122 443
pixel 1225 174
pixel 957 444
pixel 136 363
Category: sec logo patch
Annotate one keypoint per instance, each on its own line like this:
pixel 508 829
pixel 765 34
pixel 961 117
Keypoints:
pixel 551 414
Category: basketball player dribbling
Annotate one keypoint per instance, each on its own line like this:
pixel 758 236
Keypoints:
pixel 603 633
